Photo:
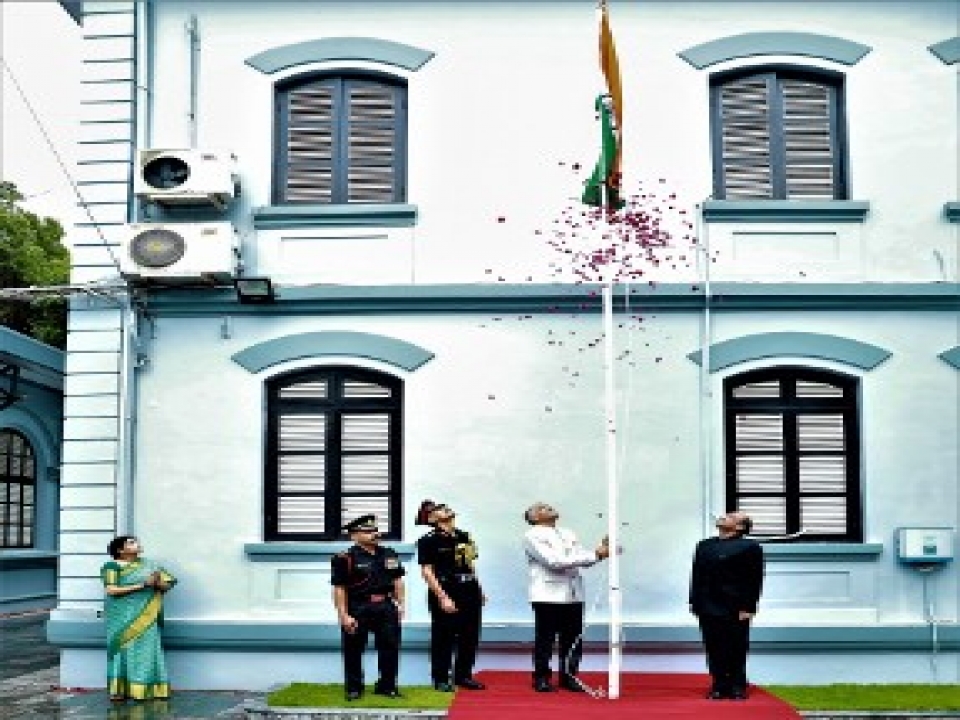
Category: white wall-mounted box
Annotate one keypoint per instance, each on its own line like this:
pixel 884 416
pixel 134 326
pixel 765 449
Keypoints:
pixel 924 544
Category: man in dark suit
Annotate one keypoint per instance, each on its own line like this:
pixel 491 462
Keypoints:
pixel 725 586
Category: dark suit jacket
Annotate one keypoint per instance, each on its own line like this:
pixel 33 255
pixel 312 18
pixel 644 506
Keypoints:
pixel 727 576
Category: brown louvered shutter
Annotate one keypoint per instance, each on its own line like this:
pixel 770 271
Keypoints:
pixel 746 164
pixel 809 152
pixel 344 142
pixel 374 112
pixel 310 138
pixel 777 137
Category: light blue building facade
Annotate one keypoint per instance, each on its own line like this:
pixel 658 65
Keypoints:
pixel 31 419
pixel 407 177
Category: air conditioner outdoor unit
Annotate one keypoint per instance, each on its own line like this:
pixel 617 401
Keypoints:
pixel 186 177
pixel 180 253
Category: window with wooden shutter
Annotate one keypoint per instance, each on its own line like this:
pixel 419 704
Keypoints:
pixel 333 453
pixel 18 482
pixel 341 140
pixel 777 136
pixel 792 452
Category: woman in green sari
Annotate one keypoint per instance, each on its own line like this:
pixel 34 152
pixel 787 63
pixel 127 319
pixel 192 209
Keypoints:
pixel 133 612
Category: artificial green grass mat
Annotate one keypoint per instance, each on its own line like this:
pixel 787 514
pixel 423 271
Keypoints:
pixel 416 697
pixel 868 697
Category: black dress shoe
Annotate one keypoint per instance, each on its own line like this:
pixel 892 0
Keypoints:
pixel 353 695
pixel 443 686
pixel 387 692
pixel 543 686
pixel 738 694
pixel 571 684
pixel 471 684
pixel 716 695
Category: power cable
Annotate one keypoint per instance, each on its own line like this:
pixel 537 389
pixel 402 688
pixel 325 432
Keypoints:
pixel 61 163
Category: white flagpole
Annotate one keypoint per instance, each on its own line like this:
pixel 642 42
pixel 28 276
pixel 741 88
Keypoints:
pixel 613 679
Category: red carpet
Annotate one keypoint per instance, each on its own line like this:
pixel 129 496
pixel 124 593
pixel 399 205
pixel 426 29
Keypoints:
pixel 646 696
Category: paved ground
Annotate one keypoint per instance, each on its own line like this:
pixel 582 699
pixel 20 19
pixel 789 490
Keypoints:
pixel 29 686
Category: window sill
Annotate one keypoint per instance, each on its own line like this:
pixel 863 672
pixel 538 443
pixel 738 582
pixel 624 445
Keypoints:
pixel 23 559
pixel 796 211
pixel 272 217
pixel 952 211
pixel 311 551
pixel 823 552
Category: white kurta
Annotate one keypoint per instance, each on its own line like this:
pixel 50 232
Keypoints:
pixel 554 559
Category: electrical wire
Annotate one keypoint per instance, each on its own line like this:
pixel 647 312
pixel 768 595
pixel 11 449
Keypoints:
pixel 63 167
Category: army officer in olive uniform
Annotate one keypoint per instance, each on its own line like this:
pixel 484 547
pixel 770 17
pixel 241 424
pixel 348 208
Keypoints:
pixel 368 594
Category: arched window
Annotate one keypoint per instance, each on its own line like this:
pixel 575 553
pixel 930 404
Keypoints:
pixel 18 482
pixel 778 134
pixel 333 452
pixel 341 139
pixel 793 452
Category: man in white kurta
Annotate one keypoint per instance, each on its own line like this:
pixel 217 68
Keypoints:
pixel 554 558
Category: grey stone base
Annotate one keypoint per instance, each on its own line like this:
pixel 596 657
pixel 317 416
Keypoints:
pixel 260 711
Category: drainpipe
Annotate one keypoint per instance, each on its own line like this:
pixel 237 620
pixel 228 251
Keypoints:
pixel 706 391
pixel 126 523
pixel 193 34
pixel 131 356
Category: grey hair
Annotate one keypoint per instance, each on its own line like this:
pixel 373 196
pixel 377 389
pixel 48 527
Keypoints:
pixel 528 513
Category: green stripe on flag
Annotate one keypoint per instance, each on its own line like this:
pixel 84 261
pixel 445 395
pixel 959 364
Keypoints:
pixel 602 189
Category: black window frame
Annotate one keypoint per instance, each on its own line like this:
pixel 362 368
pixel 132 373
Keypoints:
pixel 335 408
pixel 833 80
pixel 339 169
pixel 791 406
pixel 9 509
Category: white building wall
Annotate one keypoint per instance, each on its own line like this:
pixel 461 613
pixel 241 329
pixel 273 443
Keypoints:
pixel 506 106
pixel 498 418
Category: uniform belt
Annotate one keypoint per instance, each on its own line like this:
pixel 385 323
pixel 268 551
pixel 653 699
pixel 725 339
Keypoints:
pixel 460 577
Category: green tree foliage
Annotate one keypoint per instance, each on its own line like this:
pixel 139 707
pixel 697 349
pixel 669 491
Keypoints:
pixel 31 254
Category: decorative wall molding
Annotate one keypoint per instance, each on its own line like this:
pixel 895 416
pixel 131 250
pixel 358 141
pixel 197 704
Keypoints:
pixel 311 552
pixel 352 215
pixel 181 634
pixel 727 353
pixel 951 357
pixel 948 50
pixel 550 298
pixel 391 351
pixel 822 552
pixel 362 49
pixel 824 47
pixel 786 211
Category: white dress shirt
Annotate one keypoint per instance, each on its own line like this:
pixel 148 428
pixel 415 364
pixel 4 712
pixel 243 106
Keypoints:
pixel 554 558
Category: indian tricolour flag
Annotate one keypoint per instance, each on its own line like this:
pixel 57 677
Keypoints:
pixel 603 187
